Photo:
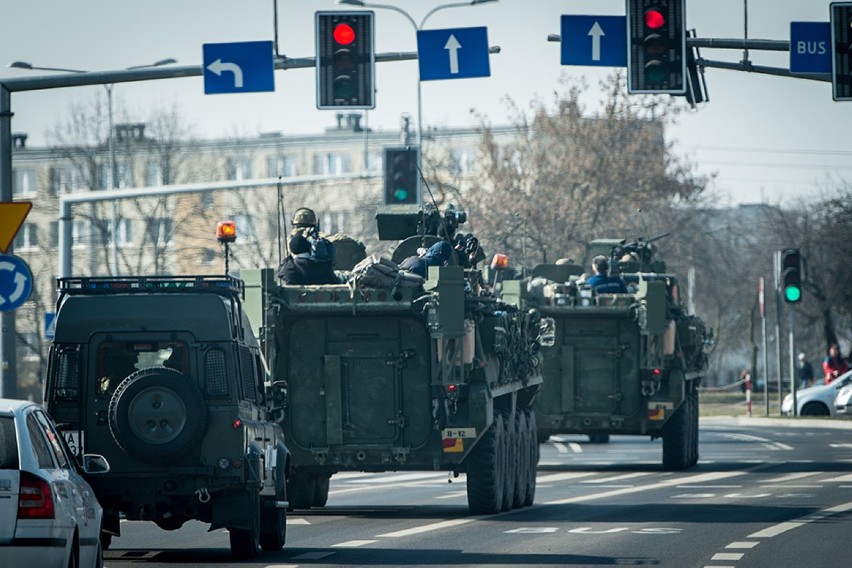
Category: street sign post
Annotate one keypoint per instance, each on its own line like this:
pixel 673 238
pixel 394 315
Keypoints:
pixel 594 40
pixel 809 47
pixel 16 282
pixel 459 53
pixel 246 67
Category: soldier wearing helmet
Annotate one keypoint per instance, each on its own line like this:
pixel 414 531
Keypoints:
pixel 304 222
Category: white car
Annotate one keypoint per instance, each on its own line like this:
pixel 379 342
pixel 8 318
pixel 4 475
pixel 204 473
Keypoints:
pixel 49 516
pixel 843 402
pixel 818 400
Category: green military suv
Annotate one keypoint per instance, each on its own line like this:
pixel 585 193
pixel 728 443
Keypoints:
pixel 164 377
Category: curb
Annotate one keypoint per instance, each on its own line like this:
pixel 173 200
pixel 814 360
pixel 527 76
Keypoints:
pixel 791 422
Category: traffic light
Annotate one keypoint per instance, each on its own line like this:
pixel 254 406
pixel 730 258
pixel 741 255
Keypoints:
pixel 345 60
pixel 791 275
pixel 841 51
pixel 656 36
pixel 402 180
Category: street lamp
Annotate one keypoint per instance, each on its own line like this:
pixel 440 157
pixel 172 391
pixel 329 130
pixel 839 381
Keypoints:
pixel 362 4
pixel 111 183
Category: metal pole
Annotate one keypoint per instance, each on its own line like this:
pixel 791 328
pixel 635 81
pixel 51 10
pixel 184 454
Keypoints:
pixel 8 330
pixel 778 309
pixel 112 183
pixel 792 321
pixel 765 345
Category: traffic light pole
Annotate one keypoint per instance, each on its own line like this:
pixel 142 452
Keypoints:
pixel 792 324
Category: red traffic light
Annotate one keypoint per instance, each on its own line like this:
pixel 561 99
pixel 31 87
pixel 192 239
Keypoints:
pixel 654 19
pixel 343 34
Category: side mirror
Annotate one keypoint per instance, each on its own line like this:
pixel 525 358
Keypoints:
pixel 95 464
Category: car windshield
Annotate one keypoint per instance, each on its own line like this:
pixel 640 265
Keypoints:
pixel 8 443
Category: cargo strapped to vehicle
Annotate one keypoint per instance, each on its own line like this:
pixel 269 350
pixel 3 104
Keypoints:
pixel 215 284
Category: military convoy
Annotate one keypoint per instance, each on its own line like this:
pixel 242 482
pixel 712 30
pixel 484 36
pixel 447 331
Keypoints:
pixel 619 363
pixel 189 385
pixel 391 372
pixel 164 376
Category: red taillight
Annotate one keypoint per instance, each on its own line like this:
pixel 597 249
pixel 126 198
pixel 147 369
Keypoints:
pixel 236 423
pixel 35 500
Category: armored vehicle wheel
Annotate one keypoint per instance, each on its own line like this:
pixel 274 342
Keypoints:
pixel 157 414
pixel 693 446
pixel 599 438
pixel 171 523
pixel 522 456
pixel 532 452
pixel 484 471
pixel 301 489
pixel 246 542
pixel 106 540
pixel 321 484
pixel 510 462
pixel 273 523
pixel 676 439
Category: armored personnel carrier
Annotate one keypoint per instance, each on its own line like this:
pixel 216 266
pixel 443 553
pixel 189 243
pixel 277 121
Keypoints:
pixel 619 363
pixel 164 377
pixel 394 373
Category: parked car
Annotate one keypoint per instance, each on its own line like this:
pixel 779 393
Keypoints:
pixel 49 516
pixel 843 402
pixel 818 400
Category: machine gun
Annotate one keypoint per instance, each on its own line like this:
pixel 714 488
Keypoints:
pixel 640 255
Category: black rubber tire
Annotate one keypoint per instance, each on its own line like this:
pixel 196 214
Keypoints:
pixel 321 486
pixel 106 540
pixel 599 438
pixel 301 488
pixel 509 461
pixel 157 414
pixel 171 523
pixel 676 439
pixel 815 409
pixel 533 452
pixel 522 456
pixel 245 543
pixel 484 471
pixel 273 524
pixel 693 454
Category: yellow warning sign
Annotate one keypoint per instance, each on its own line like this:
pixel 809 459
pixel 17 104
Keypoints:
pixel 12 215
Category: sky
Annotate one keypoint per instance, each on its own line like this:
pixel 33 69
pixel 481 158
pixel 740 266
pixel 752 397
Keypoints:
pixel 766 139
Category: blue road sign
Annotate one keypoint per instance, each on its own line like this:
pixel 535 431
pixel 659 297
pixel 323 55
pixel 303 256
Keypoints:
pixel 16 282
pixel 594 40
pixel 810 47
pixel 49 325
pixel 246 67
pixel 459 53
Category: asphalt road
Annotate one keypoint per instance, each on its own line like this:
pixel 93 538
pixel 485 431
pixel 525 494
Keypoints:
pixel 765 493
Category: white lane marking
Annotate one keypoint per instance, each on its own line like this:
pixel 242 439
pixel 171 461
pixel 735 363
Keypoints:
pixel 452 495
pixel 578 449
pixel 659 485
pixel 742 545
pixel 426 528
pixel 746 496
pixel 841 479
pixel 282 566
pixel 840 445
pixel 533 530
pixel 560 447
pixel 617 477
pixel 297 521
pixel 399 478
pixel 727 556
pixel 353 543
pixel 694 496
pixel 705 486
pixel 793 476
pixel 552 477
pixel 715 566
pixel 312 556
pixel 790 525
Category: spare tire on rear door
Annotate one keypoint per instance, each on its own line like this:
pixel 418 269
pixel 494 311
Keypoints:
pixel 156 414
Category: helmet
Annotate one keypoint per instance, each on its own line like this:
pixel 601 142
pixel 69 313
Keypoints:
pixel 304 217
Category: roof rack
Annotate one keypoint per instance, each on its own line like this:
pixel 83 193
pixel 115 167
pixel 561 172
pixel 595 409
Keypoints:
pixel 218 284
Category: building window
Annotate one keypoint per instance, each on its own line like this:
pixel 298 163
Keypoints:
pixel 24 183
pixel 245 228
pixel 331 164
pixel 462 162
pixel 239 169
pixel 123 232
pixel 124 173
pixel 80 234
pixel 27 237
pixel 65 180
pixel 283 166
pixel 160 231
pixel 374 162
pixel 153 174
pixel 333 222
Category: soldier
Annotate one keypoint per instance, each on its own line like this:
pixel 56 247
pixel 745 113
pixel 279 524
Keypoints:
pixel 304 222
pixel 300 269
pixel 602 282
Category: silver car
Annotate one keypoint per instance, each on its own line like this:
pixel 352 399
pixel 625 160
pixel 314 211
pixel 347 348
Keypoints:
pixel 818 400
pixel 49 516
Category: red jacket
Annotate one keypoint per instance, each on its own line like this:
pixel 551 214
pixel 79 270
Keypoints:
pixel 834 367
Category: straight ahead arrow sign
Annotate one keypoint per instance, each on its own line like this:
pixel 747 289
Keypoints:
pixel 453 47
pixel 596 32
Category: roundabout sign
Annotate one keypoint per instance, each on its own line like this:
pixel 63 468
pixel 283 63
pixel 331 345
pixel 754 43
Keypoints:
pixel 16 282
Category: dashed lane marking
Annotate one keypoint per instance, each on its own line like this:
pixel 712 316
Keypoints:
pixel 617 477
pixel 728 556
pixel 781 528
pixel 793 476
pixel 452 495
pixel 353 543
pixel 841 479
pixel 742 545
pixel 297 521
pixel 426 528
